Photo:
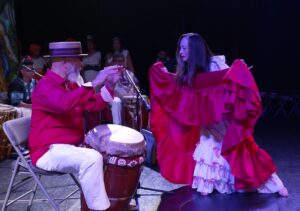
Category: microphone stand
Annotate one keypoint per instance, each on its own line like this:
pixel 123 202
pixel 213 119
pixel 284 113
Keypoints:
pixel 137 102
pixel 146 104
pixel 136 118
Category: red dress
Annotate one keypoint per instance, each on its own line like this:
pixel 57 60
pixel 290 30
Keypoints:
pixel 178 112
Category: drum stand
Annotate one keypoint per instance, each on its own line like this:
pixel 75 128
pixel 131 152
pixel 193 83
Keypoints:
pixel 137 124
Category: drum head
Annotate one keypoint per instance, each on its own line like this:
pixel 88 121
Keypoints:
pixel 116 140
pixel 123 134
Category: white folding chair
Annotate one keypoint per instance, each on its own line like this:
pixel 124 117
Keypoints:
pixel 17 132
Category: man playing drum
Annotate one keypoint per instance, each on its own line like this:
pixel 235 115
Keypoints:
pixel 57 126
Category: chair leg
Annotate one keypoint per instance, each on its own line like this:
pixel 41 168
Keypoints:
pixel 73 192
pixel 37 179
pixel 14 173
pixel 76 181
pixel 33 191
pixel 69 195
pixel 32 196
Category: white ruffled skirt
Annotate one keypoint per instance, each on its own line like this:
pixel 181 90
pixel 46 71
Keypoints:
pixel 212 171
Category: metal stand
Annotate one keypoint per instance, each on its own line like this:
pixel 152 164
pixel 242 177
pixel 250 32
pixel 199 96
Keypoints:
pixel 137 124
pixel 137 102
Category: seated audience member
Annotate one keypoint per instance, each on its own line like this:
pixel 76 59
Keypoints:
pixel 169 63
pixel 92 62
pixel 21 88
pixel 39 62
pixel 123 86
pixel 117 48
pixel 56 132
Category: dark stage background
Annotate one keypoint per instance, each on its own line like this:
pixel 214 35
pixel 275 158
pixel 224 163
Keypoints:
pixel 265 33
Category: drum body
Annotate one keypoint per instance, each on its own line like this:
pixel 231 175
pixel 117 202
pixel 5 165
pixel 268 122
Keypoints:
pixel 123 150
pixel 7 112
pixel 129 113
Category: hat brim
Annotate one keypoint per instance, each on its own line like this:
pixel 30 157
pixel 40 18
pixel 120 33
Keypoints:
pixel 58 56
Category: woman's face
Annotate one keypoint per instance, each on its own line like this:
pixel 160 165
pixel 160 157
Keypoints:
pixel 184 49
pixel 116 45
pixel 90 45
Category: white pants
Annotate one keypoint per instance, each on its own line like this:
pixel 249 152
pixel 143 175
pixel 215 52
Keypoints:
pixel 88 163
pixel 116 109
pixel 21 112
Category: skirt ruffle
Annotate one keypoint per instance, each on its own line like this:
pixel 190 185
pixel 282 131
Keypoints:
pixel 212 171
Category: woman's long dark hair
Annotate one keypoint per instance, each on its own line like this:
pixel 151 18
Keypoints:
pixel 199 56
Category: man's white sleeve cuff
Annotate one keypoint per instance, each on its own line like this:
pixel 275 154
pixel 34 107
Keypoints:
pixel 87 84
pixel 105 94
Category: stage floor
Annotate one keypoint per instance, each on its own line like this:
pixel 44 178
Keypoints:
pixel 280 138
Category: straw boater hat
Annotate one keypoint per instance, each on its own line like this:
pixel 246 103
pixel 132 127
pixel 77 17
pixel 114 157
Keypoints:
pixel 65 49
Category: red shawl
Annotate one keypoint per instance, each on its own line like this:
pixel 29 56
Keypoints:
pixel 178 112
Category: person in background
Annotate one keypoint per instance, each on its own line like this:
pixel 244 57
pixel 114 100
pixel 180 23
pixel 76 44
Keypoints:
pixel 117 48
pixel 123 88
pixel 92 62
pixel 21 88
pixel 169 63
pixel 39 62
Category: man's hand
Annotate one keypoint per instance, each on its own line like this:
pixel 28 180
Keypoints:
pixel 25 105
pixel 109 74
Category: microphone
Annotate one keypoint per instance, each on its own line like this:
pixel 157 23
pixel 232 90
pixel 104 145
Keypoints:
pixel 32 70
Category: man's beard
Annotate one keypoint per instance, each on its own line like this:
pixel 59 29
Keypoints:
pixel 75 77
